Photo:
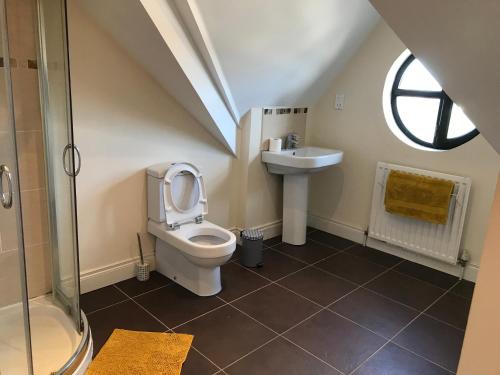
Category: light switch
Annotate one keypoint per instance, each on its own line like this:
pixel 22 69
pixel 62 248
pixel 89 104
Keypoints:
pixel 339 102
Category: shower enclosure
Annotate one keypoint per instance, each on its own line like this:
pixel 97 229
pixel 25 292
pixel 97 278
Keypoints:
pixel 42 329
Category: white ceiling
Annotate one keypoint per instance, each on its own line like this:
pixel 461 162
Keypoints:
pixel 284 52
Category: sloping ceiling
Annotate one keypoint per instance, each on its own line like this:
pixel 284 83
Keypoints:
pixel 219 58
pixel 458 41
pixel 153 34
pixel 284 52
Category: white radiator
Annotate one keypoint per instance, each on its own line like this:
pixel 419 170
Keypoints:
pixel 434 240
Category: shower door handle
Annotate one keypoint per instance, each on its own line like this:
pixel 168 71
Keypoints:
pixel 77 153
pixel 6 197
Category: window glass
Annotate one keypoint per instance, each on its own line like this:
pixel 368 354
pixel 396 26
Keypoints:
pixel 419 116
pixel 417 77
pixel 459 123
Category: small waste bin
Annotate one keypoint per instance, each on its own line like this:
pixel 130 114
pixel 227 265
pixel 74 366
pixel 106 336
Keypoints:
pixel 251 252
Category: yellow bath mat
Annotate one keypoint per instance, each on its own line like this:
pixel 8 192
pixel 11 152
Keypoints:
pixel 141 353
pixel 419 197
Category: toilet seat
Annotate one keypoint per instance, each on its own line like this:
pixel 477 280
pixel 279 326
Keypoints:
pixel 184 193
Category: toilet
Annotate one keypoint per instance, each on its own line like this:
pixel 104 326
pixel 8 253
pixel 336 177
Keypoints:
pixel 189 249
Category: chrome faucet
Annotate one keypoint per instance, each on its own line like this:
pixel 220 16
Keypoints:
pixel 291 141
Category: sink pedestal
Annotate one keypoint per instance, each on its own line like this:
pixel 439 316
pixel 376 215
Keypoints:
pixel 295 195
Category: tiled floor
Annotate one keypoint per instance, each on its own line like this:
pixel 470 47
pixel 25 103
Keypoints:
pixel 328 307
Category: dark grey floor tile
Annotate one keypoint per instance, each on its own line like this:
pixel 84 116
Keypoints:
pixel 337 242
pixel 277 308
pixel 310 252
pixel 451 309
pixel 335 340
pixel 280 357
pixel 224 335
pixel 407 290
pixel 273 241
pixel 125 315
pixel 393 360
pixel 317 285
pixel 375 256
pixel 276 265
pixel 374 312
pixel 464 289
pixel 238 281
pixel 355 269
pixel 434 340
pixel 430 275
pixel 174 304
pixel 97 299
pixel 196 364
pixel 132 287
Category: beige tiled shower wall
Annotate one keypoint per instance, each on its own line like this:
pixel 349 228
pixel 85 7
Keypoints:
pixel 21 29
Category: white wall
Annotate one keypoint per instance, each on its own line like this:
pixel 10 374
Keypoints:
pixel 124 122
pixel 343 195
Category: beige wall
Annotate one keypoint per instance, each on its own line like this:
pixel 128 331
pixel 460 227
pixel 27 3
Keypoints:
pixel 124 122
pixel 20 14
pixel 343 194
pixel 481 345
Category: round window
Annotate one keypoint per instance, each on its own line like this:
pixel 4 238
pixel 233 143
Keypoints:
pixel 419 112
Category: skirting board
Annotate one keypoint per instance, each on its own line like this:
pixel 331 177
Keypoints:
pixel 113 273
pixel 116 272
pixel 358 235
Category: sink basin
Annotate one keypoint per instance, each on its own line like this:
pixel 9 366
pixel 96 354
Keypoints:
pixel 301 160
pixel 295 165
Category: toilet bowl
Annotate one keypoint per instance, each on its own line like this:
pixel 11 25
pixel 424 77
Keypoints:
pixel 189 249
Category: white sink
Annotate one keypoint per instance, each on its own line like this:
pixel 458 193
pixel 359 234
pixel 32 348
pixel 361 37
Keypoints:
pixel 295 165
pixel 301 160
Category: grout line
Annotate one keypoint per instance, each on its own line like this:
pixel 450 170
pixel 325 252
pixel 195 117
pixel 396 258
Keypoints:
pixel 391 299
pixel 312 355
pixel 202 315
pixel 402 329
pixel 252 351
pixel 422 357
pixel 444 322
pixel 280 335
pixel 219 369
pixel 149 291
pixel 143 308
pixel 106 307
pixel 424 281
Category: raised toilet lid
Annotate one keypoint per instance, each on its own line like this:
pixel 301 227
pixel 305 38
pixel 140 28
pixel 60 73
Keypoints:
pixel 184 193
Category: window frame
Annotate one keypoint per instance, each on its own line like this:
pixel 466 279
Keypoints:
pixel 441 140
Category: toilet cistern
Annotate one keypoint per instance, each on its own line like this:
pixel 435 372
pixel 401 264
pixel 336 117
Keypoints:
pixel 295 165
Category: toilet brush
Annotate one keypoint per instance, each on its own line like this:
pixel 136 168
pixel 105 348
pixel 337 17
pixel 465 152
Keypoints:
pixel 142 268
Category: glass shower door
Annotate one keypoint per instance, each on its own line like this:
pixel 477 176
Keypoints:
pixel 62 156
pixel 15 344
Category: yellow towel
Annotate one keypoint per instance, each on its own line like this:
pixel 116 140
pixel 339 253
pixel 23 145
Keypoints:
pixel 419 197
pixel 141 353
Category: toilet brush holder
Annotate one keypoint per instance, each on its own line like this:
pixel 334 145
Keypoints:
pixel 141 268
pixel 142 271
